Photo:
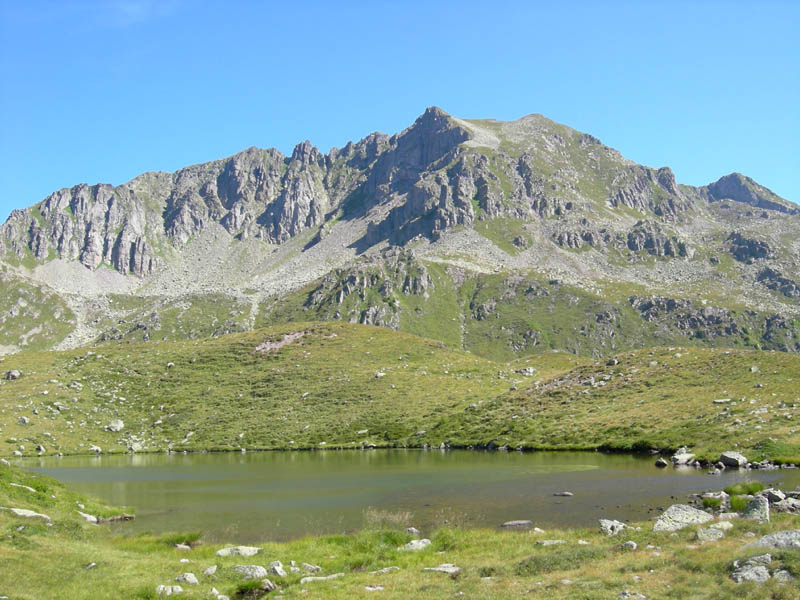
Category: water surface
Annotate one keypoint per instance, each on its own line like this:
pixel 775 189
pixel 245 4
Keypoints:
pixel 281 495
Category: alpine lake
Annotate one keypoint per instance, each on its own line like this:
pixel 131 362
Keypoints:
pixel 284 495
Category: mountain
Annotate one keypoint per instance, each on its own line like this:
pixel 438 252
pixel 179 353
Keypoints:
pixel 503 238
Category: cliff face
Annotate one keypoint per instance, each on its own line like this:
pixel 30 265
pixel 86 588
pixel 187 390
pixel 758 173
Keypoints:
pixel 432 177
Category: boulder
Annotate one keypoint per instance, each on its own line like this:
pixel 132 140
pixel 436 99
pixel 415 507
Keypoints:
pixel 773 495
pixel 169 590
pixel 251 571
pixel 116 425
pixel 311 568
pixel 788 539
pixel 189 578
pixel 783 576
pixel 13 374
pixel 790 505
pixel 661 462
pixel 679 516
pixel 611 527
pixel 682 457
pixel 238 551
pixel 210 570
pixel 733 459
pixel 630 545
pixel 416 545
pixel 755 573
pixel 757 509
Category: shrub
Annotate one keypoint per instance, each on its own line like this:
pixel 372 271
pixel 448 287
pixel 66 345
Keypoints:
pixel 744 488
pixel 713 503
pixel 738 503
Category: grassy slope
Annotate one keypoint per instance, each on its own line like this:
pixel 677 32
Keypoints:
pixel 43 562
pixel 321 388
pixel 661 398
pixel 325 387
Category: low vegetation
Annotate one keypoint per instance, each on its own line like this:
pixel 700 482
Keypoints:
pixel 336 385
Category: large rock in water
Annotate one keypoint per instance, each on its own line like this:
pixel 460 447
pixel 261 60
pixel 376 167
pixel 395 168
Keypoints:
pixel 733 459
pixel 679 516
pixel 780 540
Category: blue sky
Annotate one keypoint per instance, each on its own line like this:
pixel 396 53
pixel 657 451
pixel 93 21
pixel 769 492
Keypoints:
pixel 102 91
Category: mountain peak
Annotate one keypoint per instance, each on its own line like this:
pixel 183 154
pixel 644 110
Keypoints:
pixel 740 188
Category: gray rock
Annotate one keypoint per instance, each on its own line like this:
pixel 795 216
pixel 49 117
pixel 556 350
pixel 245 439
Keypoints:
pixel 722 525
pixel 681 458
pixel 773 495
pixel 413 531
pixel 550 542
pixel 384 571
pixel 626 595
pixel 611 527
pixel 210 570
pixel 416 545
pixel 447 568
pixel 630 545
pixel 116 425
pixel 679 516
pixel 781 540
pixel 13 374
pixel 783 576
pixel 733 459
pixel 564 494
pixel 23 420
pixel 305 580
pixel 169 590
pixel 309 568
pixel 520 524
pixel 710 534
pixel 789 505
pixel 238 551
pixel 757 509
pixel 187 578
pixel 757 574
pixel 251 571
pixel 268 586
pixel 276 568
pixel 24 512
pixel 661 462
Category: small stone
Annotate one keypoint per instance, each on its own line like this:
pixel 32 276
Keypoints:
pixel 626 595
pixel 184 560
pixel 629 545
pixel 13 374
pixel 519 524
pixel 710 534
pixel 722 525
pixel 276 568
pixel 416 545
pixel 187 578
pixel 384 571
pixel 210 570
pixel 373 588
pixel 447 568
pixel 564 494
pixel 611 527
pixel 182 547
pixel 413 531
pixel 116 425
pixel 661 462
pixel 305 580
pixel 251 571
pixel 268 586
pixel 550 542
pixel 311 568
pixel 781 540
pixel 169 590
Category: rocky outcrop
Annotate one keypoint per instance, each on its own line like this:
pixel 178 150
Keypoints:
pixel 649 236
pixel 739 188
pixel 683 315
pixel 747 250
pixel 773 280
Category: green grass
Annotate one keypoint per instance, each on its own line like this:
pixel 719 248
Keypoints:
pixel 340 379
pixel 744 488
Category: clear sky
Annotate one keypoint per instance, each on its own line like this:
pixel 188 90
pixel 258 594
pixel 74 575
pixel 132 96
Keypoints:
pixel 100 91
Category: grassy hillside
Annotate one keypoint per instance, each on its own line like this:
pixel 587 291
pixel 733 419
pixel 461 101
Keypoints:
pixel 663 398
pixel 66 558
pixel 335 384
pixel 341 385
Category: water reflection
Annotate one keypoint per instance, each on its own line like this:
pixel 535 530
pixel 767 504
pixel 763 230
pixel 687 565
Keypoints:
pixel 278 495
